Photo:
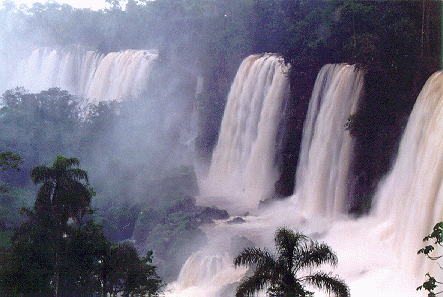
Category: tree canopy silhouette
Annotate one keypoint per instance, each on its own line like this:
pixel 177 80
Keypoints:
pixel 279 272
pixel 64 194
pixel 53 256
pixel 64 189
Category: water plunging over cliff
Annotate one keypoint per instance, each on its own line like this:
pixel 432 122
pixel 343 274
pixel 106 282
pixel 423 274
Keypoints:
pixel 96 76
pixel 243 162
pixel 322 176
pixel 410 200
pixel 377 254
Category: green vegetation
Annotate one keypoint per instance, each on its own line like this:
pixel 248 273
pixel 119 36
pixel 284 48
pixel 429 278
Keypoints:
pixel 9 160
pixel 138 200
pixel 40 126
pixel 295 252
pixel 58 250
pixel 432 284
pixel 63 195
pixel 397 44
pixel 384 39
pixel 37 127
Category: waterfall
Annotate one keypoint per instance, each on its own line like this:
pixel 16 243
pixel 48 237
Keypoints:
pixel 377 254
pixel 210 273
pixel 410 199
pixel 98 77
pixel 243 162
pixel 322 175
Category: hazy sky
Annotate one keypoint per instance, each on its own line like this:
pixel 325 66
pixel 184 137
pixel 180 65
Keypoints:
pixel 94 4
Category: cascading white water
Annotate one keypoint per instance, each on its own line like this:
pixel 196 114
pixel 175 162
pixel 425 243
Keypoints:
pixel 372 251
pixel 326 151
pixel 243 161
pixel 98 77
pixel 209 272
pixel 410 199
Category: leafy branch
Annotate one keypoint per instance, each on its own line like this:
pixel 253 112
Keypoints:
pixel 431 283
pixel 9 160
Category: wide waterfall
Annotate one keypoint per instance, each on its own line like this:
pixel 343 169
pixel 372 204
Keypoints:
pixel 98 77
pixel 377 254
pixel 322 175
pixel 243 162
pixel 410 200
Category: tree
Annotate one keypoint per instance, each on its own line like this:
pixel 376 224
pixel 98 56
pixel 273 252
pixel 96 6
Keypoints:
pixel 90 265
pixel 84 247
pixel 64 194
pixel 9 160
pixel 124 272
pixel 64 189
pixel 39 126
pixel 278 272
pixel 50 255
pixel 28 265
pixel 431 283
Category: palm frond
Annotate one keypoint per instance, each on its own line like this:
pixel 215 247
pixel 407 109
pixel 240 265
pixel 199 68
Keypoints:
pixel 288 243
pixel 283 289
pixel 254 256
pixel 254 283
pixel 64 163
pixel 41 174
pixel 328 283
pixel 286 238
pixel 63 187
pixel 279 272
pixel 78 174
pixel 315 254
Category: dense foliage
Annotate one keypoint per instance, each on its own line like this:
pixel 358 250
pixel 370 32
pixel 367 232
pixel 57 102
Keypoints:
pixel 59 250
pixel 9 160
pixel 39 126
pixel 64 194
pixel 278 273
pixel 397 44
pixel 137 200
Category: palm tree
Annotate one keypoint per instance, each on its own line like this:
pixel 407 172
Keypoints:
pixel 64 189
pixel 278 272
pixel 64 194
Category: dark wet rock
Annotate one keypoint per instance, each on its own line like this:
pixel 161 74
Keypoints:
pixel 236 220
